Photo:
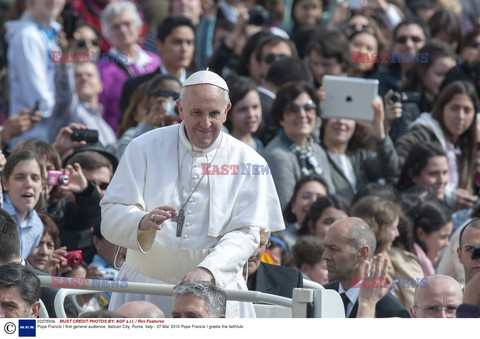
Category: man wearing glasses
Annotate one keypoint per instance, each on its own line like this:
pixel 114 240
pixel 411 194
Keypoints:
pixel 408 37
pixel 440 298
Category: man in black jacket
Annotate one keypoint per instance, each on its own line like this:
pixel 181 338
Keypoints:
pixel 10 253
pixel 348 244
pixel 271 279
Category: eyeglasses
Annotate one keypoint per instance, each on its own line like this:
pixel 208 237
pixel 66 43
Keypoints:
pixel 309 107
pixel 271 58
pixel 165 94
pixel 81 43
pixel 403 39
pixel 432 310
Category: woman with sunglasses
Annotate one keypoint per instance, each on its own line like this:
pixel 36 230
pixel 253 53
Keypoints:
pixel 293 153
pixel 351 165
pixel 152 105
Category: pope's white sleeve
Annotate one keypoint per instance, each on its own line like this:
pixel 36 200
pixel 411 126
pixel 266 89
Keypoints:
pixel 123 206
pixel 231 253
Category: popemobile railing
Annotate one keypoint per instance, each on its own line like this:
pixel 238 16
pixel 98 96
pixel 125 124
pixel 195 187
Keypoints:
pixel 311 302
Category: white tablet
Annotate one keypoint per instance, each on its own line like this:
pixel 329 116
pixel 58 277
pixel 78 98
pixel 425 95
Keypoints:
pixel 349 98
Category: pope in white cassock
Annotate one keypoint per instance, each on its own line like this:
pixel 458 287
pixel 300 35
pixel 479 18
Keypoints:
pixel 180 222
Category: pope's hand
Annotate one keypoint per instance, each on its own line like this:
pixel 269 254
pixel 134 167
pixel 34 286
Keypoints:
pixel 198 274
pixel 155 218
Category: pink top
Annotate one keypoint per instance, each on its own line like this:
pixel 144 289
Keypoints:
pixel 424 260
pixel 113 79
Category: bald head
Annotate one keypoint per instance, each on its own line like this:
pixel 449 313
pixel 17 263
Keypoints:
pixel 357 232
pixel 348 243
pixel 140 309
pixel 435 293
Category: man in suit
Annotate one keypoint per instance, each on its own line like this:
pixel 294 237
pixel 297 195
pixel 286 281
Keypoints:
pixel 271 279
pixel 348 244
pixel 10 253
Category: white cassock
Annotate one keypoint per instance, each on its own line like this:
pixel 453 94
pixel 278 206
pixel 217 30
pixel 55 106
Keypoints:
pixel 222 216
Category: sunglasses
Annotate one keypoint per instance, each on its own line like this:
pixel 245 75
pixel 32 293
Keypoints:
pixel 165 94
pixel 473 44
pixel 270 58
pixel 83 43
pixel 403 39
pixel 103 185
pixel 296 108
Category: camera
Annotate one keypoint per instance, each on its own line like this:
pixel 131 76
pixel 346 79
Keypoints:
pixel 476 252
pixel 404 97
pixel 74 258
pixel 57 178
pixel 258 16
pixel 88 135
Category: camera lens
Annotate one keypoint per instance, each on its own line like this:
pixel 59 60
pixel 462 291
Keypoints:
pixel 395 97
pixel 63 179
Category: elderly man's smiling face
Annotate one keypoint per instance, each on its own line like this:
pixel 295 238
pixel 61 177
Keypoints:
pixel 203 110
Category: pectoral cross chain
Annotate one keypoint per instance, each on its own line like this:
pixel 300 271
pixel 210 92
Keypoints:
pixel 180 220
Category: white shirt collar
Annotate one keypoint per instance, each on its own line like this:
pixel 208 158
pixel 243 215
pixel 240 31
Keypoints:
pixel 352 295
pixel 181 78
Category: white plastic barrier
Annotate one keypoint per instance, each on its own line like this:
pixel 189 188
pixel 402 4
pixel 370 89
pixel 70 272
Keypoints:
pixel 305 303
pixel 43 310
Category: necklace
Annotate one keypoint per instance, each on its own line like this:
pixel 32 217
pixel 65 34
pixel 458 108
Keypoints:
pixel 180 217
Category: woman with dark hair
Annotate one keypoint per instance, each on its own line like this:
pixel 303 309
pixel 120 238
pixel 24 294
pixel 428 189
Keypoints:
pixel 322 214
pixel 48 255
pixel 245 116
pixel 431 229
pixel 74 207
pixel 152 105
pixel 445 25
pixel 351 165
pixel 293 153
pixel 368 45
pixel 452 125
pixel 307 190
pixel 426 165
pixel 436 58
pixel 306 13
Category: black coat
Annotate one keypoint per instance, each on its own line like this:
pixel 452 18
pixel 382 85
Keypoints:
pixel 387 307
pixel 274 279
pixel 47 295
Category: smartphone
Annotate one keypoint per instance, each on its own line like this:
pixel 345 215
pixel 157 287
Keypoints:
pixel 36 106
pixel 88 135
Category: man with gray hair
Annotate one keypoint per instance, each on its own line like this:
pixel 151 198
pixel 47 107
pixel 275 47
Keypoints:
pixel 348 244
pixel 19 292
pixel 437 297
pixel 199 299
pixel 188 200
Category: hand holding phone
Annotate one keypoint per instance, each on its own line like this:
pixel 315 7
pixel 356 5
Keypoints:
pixel 88 135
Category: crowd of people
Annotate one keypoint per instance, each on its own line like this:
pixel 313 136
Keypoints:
pixel 183 142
